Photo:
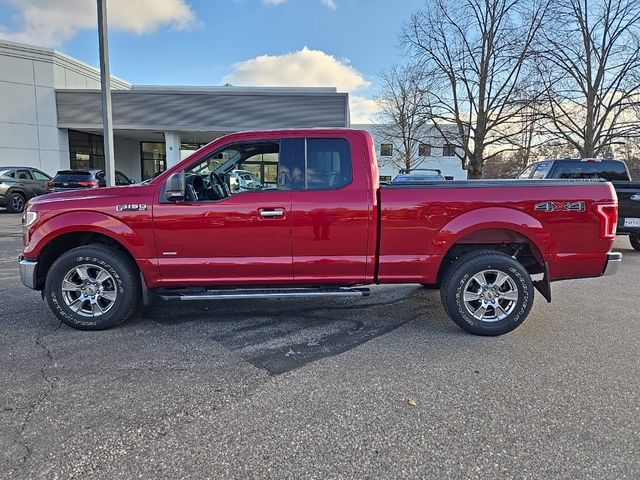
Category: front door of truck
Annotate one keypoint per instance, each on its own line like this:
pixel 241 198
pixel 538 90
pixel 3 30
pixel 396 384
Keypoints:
pixel 331 210
pixel 224 233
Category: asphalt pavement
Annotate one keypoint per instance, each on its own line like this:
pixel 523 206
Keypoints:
pixel 381 387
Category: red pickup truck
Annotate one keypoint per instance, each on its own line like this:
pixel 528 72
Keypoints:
pixel 320 224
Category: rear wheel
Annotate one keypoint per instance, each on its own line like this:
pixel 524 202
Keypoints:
pixel 16 203
pixel 93 287
pixel 635 241
pixel 487 293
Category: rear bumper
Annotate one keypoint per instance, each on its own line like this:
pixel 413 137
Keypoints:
pixel 28 270
pixel 614 259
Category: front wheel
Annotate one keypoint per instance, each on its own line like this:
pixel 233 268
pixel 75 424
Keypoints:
pixel 487 293
pixel 93 287
pixel 635 241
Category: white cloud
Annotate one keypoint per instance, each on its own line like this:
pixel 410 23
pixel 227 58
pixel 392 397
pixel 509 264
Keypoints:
pixel 273 2
pixel 306 68
pixel 329 3
pixel 362 109
pixel 52 22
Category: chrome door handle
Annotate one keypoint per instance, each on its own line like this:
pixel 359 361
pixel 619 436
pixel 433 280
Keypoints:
pixel 272 212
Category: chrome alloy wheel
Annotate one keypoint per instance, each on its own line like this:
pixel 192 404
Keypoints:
pixel 89 290
pixel 490 295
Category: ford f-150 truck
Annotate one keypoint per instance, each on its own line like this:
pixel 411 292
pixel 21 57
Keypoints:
pixel 321 225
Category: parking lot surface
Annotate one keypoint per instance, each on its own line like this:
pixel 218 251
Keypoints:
pixel 382 387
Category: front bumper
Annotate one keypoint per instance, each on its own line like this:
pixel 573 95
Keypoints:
pixel 28 270
pixel 614 259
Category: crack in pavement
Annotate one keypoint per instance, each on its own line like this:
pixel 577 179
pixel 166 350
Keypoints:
pixel 18 438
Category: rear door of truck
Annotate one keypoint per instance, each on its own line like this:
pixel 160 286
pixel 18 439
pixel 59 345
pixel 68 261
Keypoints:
pixel 331 209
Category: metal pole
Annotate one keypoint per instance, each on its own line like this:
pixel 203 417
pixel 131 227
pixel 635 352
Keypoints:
pixel 105 83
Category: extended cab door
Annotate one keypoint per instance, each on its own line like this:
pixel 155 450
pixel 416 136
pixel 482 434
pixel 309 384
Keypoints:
pixel 223 237
pixel 331 209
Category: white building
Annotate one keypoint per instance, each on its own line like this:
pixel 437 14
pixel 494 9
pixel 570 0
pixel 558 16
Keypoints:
pixel 434 152
pixel 51 114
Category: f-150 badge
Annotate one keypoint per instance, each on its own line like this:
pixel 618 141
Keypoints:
pixel 131 207
pixel 560 207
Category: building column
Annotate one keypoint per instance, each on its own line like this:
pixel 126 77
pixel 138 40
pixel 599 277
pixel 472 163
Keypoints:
pixel 172 148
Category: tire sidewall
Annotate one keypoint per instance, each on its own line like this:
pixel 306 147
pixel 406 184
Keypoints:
pixel 634 238
pixel 458 311
pixel 125 289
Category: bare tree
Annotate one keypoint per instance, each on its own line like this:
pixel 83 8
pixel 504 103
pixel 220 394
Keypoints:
pixel 590 63
pixel 400 114
pixel 478 52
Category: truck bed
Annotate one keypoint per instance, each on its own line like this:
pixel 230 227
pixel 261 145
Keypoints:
pixel 420 223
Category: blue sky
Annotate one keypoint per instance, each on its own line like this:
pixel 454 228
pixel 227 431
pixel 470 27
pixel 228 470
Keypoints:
pixel 198 42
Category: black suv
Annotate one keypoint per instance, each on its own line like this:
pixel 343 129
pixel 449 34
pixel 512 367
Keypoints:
pixel 66 180
pixel 19 184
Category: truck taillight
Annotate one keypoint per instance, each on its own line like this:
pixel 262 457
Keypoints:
pixel 608 214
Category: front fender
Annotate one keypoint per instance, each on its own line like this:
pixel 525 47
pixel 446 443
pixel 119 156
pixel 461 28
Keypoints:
pixel 493 218
pixel 87 221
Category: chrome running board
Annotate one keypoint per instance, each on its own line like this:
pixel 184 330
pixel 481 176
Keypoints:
pixel 240 293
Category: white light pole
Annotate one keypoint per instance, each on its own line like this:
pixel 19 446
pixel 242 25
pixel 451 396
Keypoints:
pixel 105 84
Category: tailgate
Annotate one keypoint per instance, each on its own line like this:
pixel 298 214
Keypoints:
pixel 628 206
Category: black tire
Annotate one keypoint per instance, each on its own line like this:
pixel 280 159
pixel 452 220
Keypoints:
pixel 16 202
pixel 635 241
pixel 509 312
pixel 122 282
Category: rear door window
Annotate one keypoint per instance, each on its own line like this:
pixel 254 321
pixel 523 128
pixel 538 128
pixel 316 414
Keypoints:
pixel 325 165
pixel 23 175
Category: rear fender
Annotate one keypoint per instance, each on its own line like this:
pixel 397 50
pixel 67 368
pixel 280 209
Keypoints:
pixel 493 218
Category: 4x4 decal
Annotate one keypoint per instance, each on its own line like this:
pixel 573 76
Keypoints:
pixel 560 207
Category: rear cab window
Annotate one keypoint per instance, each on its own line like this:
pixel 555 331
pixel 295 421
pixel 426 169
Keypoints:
pixel 608 170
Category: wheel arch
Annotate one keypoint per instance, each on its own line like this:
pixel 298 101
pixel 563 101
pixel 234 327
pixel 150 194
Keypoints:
pixel 502 229
pixel 62 243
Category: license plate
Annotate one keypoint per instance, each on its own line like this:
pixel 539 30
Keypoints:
pixel 632 222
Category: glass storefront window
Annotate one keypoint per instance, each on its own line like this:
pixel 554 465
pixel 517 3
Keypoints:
pixel 154 159
pixel 86 150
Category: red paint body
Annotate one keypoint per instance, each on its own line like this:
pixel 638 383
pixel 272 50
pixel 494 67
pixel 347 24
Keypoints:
pixel 360 234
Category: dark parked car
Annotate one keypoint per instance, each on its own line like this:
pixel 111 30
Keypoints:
pixel 609 169
pixel 66 180
pixel 19 184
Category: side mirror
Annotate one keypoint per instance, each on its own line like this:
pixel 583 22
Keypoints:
pixel 132 181
pixel 175 187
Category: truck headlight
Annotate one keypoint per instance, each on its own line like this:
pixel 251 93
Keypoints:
pixel 28 218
